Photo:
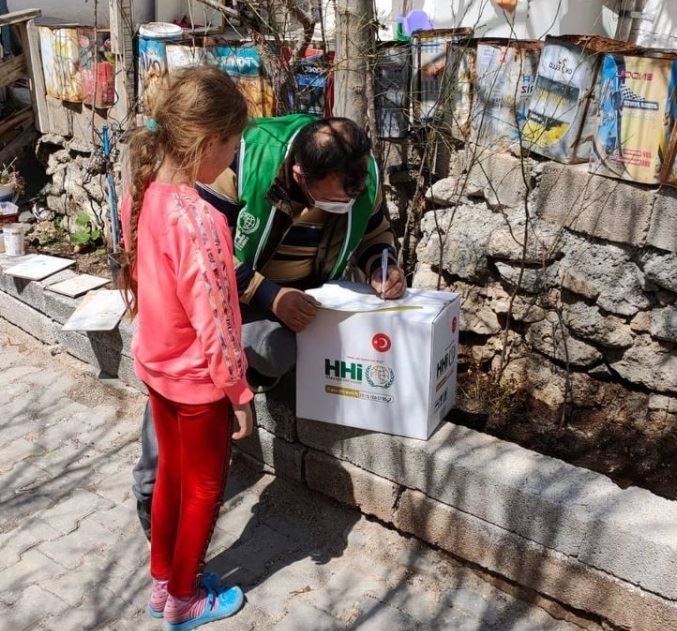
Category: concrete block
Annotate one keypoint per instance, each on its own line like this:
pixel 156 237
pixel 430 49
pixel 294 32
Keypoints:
pixel 99 349
pixel 498 176
pixel 28 319
pixel 547 501
pixel 663 229
pixel 276 410
pixel 351 485
pixel 127 374
pixel 286 459
pixel 547 571
pixel 59 307
pixel 602 207
pixel 28 292
pixel 126 330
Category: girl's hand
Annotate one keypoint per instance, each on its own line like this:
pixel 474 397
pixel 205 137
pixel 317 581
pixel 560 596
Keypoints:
pixel 245 420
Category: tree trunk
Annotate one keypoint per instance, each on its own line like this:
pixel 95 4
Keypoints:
pixel 355 43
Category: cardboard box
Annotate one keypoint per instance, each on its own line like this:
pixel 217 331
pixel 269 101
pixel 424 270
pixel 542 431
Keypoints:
pixel 387 366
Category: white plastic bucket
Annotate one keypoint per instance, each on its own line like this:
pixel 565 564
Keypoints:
pixel 14 239
pixel 160 30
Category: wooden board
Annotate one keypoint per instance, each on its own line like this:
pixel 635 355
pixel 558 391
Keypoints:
pixel 121 32
pixel 17 120
pixel 21 143
pixel 12 69
pixel 99 310
pixel 14 17
pixel 81 284
pixel 39 267
pixel 30 44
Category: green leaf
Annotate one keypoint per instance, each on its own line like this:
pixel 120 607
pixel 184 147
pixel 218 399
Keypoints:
pixel 80 237
pixel 82 220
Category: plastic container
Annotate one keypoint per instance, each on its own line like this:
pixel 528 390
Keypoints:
pixel 458 86
pixel 636 115
pixel 153 59
pixel 392 72
pixel 429 50
pixel 506 74
pixel 13 234
pixel 562 113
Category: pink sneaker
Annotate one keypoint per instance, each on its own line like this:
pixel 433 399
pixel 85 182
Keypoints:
pixel 158 599
pixel 206 606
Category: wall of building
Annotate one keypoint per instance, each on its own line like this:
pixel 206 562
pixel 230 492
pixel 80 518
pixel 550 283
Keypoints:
pixel 82 11
pixel 531 20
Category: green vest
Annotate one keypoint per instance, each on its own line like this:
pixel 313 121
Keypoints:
pixel 263 149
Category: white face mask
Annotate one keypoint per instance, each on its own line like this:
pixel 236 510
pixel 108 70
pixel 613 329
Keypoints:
pixel 336 208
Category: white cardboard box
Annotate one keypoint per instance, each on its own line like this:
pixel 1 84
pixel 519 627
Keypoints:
pixel 387 366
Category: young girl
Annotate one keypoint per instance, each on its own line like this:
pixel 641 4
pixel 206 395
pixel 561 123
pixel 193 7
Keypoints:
pixel 187 348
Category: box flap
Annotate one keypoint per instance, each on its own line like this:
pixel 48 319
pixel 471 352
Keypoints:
pixel 361 298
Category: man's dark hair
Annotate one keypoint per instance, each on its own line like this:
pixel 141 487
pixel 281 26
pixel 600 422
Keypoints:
pixel 333 145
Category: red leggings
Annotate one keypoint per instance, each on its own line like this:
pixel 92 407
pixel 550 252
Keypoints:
pixel 193 458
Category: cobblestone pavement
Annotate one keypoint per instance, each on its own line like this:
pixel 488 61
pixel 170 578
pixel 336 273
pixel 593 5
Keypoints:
pixel 73 556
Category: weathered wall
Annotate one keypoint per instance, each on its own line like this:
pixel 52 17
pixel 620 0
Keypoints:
pixel 594 290
pixel 77 183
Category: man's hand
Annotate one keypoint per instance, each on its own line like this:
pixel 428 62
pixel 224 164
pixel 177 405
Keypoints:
pixel 245 420
pixel 294 308
pixel 395 284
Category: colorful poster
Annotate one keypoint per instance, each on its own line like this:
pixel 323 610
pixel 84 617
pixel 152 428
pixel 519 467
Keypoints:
pixel 152 71
pixel 97 67
pixel 506 75
pixel 314 90
pixel 60 54
pixel 638 108
pixel 562 114
pixel 429 51
pixel 241 63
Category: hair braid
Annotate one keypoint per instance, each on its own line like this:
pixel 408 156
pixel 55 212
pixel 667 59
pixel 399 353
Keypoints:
pixel 193 106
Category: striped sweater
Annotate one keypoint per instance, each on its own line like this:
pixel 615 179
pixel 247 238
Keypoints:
pixel 306 252
pixel 187 345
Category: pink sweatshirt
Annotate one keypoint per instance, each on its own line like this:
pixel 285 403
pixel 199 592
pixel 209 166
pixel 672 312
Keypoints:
pixel 187 345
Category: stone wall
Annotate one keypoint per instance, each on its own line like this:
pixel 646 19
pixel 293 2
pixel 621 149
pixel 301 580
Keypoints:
pixel 77 183
pixel 569 280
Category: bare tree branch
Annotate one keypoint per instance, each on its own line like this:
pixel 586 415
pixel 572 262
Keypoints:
pixel 228 12
pixel 308 23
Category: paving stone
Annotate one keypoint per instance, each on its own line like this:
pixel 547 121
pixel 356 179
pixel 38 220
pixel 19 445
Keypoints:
pixel 87 616
pixel 28 535
pixel 32 606
pixel 293 584
pixel 67 514
pixel 90 538
pixel 306 616
pixel 16 451
pixel 377 616
pixel 33 568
